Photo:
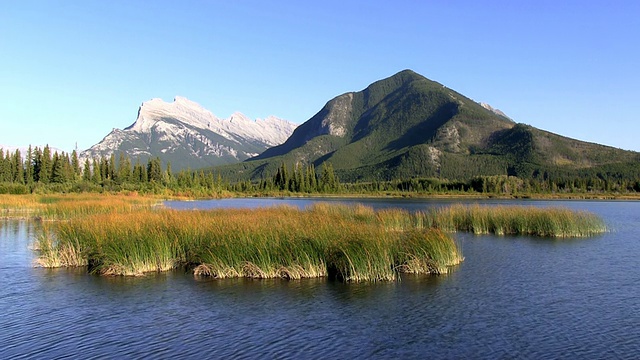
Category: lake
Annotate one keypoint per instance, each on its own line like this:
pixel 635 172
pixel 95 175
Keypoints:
pixel 512 297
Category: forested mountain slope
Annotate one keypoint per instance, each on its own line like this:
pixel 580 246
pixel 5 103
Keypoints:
pixel 409 126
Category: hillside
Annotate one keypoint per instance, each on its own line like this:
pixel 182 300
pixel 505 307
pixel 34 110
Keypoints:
pixel 409 126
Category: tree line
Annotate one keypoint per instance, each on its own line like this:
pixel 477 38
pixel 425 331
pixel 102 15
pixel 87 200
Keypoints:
pixel 41 170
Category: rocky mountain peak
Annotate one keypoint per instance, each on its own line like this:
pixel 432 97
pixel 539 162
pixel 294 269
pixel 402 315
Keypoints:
pixel 181 108
pixel 183 130
pixel 493 110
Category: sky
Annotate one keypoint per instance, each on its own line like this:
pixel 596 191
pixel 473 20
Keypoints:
pixel 71 71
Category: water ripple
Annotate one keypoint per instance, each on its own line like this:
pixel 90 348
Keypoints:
pixel 511 298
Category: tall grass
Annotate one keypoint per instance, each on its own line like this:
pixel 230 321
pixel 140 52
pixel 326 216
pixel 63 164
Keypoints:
pixel 346 243
pixel 65 206
pixel 515 220
pixel 350 243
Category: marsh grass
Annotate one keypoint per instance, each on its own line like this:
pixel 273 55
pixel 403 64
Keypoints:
pixel 66 206
pixel 346 243
pixel 59 254
pixel 60 207
pixel 349 243
pixel 515 220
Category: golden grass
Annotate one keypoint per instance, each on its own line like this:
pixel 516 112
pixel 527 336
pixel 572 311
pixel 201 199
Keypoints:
pixel 65 206
pixel 348 243
pixel 126 235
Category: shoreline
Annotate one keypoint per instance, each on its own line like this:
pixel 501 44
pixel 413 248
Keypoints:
pixel 32 206
pixel 595 197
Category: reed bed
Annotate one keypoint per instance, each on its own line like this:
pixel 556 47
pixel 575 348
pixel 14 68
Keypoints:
pixel 66 206
pixel 61 207
pixel 349 243
pixel 515 220
pixel 341 242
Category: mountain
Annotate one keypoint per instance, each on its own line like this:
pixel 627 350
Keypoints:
pixel 188 135
pixel 407 125
pixel 25 149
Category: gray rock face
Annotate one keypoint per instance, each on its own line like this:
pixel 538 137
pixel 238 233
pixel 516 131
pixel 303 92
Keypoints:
pixel 188 135
pixel 493 110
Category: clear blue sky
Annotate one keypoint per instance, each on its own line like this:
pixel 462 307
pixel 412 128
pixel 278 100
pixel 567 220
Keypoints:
pixel 70 71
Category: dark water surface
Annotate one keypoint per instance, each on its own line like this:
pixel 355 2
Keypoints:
pixel 512 297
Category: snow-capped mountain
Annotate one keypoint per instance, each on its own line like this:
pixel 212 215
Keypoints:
pixel 188 135
pixel 24 149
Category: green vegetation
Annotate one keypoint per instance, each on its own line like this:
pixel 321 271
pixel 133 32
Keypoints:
pixel 350 243
pixel 515 220
pixel 407 127
pixel 404 135
pixel 347 243
pixel 108 175
pixel 401 136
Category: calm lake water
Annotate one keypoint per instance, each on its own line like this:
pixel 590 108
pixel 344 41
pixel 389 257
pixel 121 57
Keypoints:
pixel 512 297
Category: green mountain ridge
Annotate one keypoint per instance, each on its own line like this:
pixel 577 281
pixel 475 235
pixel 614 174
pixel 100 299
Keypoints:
pixel 409 126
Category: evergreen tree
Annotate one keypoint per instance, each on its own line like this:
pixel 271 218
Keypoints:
pixel 86 170
pixel 75 165
pixel 201 179
pixel 313 178
pixel 281 179
pixel 154 170
pixel 139 173
pixel 28 162
pixel 104 168
pixel 299 179
pixel 96 176
pixel 328 180
pixel 17 168
pixel 185 179
pixel 5 167
pixel 168 175
pixel 37 164
pixel 69 174
pixel 136 176
pixel 46 165
pixel 124 169
pixel 58 173
pixel 111 172
pixel 210 183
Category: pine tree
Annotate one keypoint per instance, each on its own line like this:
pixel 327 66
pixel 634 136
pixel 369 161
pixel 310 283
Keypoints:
pixel 201 179
pixel 328 180
pixel 37 164
pixel 104 168
pixel 111 171
pixel 46 165
pixel 313 178
pixel 154 170
pixel 69 174
pixel 139 173
pixel 75 165
pixel 58 174
pixel 281 179
pixel 17 168
pixel 210 181
pixel 86 170
pixel 28 166
pixel 5 167
pixel 124 169
pixel 168 176
pixel 299 180
pixel 96 176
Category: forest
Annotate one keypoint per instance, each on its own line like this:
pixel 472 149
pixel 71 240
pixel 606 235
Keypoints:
pixel 41 171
